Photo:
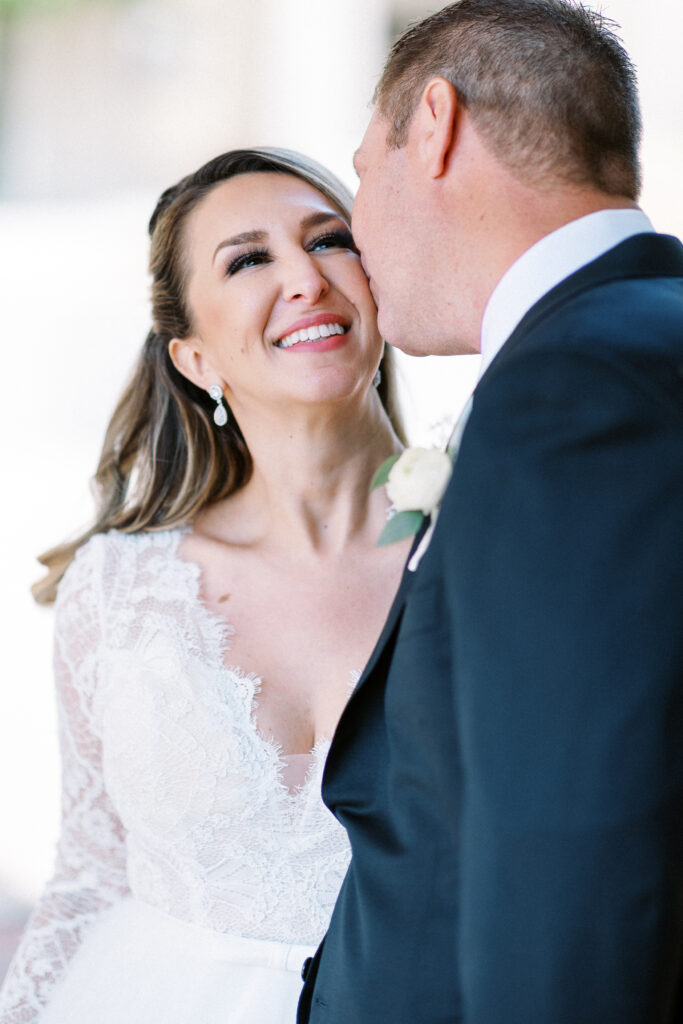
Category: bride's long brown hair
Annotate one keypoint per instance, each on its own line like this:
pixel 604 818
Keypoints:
pixel 163 458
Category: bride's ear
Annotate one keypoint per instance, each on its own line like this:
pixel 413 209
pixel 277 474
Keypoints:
pixel 187 357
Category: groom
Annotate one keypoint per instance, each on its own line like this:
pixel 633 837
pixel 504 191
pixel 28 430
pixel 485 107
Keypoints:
pixel 510 767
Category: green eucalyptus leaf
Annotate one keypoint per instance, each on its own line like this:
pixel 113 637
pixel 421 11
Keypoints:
pixel 382 474
pixel 400 526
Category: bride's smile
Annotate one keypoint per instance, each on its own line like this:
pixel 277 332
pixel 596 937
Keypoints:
pixel 313 331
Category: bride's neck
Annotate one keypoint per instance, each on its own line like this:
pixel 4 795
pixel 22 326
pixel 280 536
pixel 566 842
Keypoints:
pixel 310 486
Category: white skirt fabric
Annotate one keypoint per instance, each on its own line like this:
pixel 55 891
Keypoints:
pixel 138 965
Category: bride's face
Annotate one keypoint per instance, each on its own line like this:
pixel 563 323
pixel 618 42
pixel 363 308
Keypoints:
pixel 280 305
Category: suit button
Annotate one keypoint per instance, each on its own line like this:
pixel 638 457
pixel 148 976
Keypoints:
pixel 305 968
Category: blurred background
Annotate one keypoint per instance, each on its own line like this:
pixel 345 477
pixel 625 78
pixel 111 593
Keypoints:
pixel 103 104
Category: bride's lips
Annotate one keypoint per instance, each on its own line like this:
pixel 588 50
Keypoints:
pixel 320 332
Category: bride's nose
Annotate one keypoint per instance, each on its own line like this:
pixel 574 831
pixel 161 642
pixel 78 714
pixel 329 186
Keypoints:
pixel 302 279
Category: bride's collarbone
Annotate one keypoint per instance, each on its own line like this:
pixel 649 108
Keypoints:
pixel 237 554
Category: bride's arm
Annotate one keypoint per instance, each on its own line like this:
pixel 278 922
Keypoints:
pixel 90 869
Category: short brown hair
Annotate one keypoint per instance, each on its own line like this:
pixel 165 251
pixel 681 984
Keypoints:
pixel 547 82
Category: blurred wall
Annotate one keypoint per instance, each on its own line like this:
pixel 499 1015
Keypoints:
pixel 104 105
pixel 104 97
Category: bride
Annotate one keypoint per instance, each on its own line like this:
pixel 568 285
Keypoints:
pixel 210 625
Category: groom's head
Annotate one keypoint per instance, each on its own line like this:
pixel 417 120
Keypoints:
pixel 495 122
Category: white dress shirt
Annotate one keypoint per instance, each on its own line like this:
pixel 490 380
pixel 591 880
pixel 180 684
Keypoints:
pixel 548 262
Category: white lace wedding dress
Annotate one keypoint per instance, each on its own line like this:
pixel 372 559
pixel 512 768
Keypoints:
pixel 193 875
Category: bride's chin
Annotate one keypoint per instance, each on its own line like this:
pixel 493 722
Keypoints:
pixel 336 386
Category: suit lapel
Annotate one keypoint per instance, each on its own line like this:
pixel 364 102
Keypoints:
pixel 393 616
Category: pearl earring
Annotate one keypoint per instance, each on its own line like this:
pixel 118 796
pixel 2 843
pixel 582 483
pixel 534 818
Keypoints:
pixel 377 379
pixel 220 413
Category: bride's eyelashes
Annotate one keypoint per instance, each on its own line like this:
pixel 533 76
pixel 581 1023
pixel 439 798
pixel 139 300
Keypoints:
pixel 330 240
pixel 334 240
pixel 247 259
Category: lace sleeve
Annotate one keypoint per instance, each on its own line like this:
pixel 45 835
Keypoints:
pixel 90 868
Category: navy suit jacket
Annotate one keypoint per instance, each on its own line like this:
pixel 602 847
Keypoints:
pixel 510 766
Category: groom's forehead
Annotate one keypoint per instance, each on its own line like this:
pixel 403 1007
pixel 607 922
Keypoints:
pixel 373 144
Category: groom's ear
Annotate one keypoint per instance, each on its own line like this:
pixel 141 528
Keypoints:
pixel 435 125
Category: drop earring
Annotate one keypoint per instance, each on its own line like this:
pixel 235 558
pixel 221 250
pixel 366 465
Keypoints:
pixel 220 413
pixel 377 379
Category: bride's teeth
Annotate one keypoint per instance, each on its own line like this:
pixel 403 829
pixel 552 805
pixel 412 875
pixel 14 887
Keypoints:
pixel 311 334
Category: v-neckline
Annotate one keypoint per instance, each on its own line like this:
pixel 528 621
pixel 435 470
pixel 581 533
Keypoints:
pixel 249 683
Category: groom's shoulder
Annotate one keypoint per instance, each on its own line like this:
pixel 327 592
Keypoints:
pixel 638 281
pixel 626 305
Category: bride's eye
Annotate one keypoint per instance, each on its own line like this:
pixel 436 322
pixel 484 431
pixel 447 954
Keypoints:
pixel 246 260
pixel 334 240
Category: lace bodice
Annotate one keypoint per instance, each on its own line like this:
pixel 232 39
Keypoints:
pixel 169 790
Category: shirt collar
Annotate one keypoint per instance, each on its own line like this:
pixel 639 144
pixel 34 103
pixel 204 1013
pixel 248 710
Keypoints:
pixel 548 262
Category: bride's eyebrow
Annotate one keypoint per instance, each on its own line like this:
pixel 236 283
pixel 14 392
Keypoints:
pixel 244 238
pixel 311 220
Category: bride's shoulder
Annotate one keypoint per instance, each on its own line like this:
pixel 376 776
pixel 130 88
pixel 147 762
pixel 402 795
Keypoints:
pixel 111 561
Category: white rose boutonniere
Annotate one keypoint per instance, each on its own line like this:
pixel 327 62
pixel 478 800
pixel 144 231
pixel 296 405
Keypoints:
pixel 416 481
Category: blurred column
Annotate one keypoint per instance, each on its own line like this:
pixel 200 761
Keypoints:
pixel 318 62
